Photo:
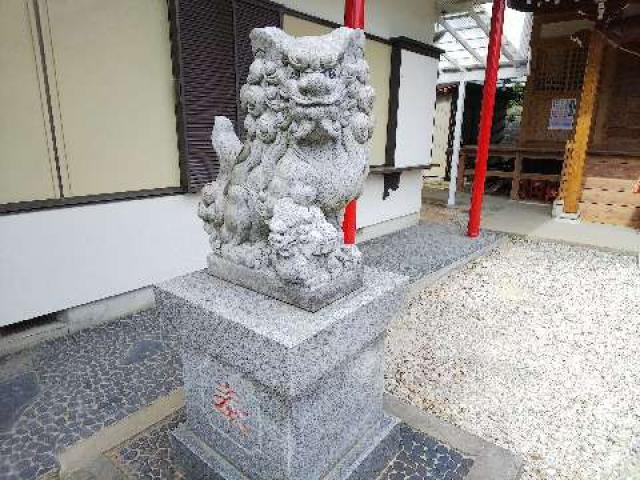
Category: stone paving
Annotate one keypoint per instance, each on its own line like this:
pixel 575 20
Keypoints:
pixel 423 249
pixel 69 388
pixel 416 456
pixel 149 454
pixel 405 454
pixel 64 390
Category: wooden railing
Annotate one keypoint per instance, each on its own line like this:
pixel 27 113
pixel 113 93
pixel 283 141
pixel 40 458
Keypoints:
pixel 518 154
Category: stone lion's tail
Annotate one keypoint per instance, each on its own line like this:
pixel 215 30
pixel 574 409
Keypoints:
pixel 226 144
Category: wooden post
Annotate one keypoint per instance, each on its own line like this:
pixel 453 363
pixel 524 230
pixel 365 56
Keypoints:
pixel 515 182
pixel 576 149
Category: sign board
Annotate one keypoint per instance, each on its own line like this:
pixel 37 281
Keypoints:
pixel 563 111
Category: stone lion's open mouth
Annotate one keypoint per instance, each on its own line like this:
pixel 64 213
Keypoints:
pixel 314 101
pixel 332 98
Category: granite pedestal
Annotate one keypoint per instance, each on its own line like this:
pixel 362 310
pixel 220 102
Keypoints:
pixel 312 299
pixel 274 391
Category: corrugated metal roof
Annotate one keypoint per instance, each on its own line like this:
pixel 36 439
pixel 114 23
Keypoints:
pixel 463 37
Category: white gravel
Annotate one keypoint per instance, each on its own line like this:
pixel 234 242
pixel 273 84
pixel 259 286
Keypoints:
pixel 536 348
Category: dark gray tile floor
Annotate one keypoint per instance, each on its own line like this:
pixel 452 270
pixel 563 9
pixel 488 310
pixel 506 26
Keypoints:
pixel 405 454
pixel 149 454
pixel 423 249
pixel 66 389
pixel 412 455
pixel 55 394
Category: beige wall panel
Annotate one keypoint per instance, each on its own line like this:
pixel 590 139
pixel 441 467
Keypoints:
pixel 26 167
pixel 441 135
pixel 386 18
pixel 379 57
pixel 298 27
pixel 115 89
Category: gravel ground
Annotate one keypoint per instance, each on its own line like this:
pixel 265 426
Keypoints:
pixel 535 347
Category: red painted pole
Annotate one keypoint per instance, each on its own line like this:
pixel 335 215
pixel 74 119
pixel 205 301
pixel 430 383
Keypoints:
pixel 354 18
pixel 354 14
pixel 486 116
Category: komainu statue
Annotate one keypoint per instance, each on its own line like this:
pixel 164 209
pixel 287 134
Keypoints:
pixel 274 213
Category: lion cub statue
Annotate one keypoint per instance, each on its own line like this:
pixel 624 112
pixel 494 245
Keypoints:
pixel 276 207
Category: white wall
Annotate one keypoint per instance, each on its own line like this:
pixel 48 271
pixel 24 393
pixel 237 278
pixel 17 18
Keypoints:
pixel 416 106
pixel 385 18
pixel 406 200
pixel 55 259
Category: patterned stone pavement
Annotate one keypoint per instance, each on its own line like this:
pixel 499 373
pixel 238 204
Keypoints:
pixel 69 388
pixel 416 456
pixel 423 249
pixel 148 454
pixel 61 391
pixel 405 454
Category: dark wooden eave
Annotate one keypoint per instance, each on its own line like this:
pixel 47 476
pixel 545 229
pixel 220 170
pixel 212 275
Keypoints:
pixel 544 6
pixel 586 8
pixel 620 22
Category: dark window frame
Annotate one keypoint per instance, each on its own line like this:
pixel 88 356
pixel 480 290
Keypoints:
pixel 35 205
pixel 65 201
pixel 183 188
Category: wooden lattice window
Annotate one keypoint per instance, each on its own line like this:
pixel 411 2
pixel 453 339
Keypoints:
pixel 559 68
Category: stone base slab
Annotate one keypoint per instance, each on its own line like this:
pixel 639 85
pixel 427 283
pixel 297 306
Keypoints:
pixel 308 299
pixel 198 461
pixel 419 446
pixel 277 345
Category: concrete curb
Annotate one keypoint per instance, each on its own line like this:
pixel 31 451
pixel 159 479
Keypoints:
pixel 87 456
pixel 601 248
pixel 75 319
pixel 490 461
